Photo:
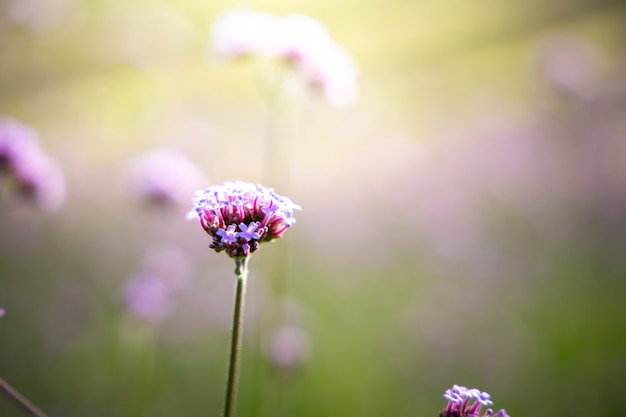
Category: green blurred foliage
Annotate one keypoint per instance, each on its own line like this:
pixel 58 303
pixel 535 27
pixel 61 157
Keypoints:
pixel 463 222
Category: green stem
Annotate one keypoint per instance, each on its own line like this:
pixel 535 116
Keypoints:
pixel 241 272
pixel 22 401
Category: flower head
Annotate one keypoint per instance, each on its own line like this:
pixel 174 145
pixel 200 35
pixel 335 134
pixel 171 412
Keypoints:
pixel 301 41
pixel 35 175
pixel 239 216
pixel 164 176
pixel 467 402
pixel 288 348
pixel 150 294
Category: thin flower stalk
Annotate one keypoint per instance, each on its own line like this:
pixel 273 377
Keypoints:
pixel 241 273
pixel 239 217
pixel 20 400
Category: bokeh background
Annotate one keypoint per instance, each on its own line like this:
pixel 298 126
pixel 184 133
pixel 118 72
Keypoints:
pixel 464 221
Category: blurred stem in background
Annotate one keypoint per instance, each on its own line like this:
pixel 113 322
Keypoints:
pixel 283 116
pixel 20 400
pixel 241 272
pixel 136 367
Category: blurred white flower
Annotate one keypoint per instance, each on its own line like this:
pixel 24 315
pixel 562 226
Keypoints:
pixel 333 71
pixel 242 33
pixel 298 40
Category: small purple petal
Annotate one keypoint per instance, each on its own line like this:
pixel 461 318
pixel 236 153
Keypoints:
pixel 229 235
pixel 248 232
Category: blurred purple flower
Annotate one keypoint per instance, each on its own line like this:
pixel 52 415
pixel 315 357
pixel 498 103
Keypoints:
pixel 467 402
pixel 260 214
pixel 36 176
pixel 288 348
pixel 151 293
pixel 2 312
pixel 17 141
pixel 296 39
pixel 572 65
pixel 148 297
pixel 164 177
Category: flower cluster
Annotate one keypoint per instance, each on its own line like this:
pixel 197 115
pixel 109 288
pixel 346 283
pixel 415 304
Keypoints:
pixel 239 216
pixel 288 348
pixel 150 294
pixel 162 187
pixel 296 39
pixel 33 173
pixel 467 402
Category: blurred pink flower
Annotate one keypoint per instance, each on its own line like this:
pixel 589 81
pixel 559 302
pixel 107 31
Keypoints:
pixel 148 297
pixel 165 176
pixel 16 142
pixel 288 347
pixel 42 180
pixel 36 175
pixel 295 39
pixel 151 293
pixel 572 65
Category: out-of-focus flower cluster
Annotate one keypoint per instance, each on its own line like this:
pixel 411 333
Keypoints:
pixel 295 39
pixel 32 173
pixel 151 293
pixel 467 402
pixel 164 177
pixel 239 216
pixel 288 348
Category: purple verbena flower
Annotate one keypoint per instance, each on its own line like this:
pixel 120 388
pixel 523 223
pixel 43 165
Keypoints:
pixel 259 213
pixel 229 235
pixel 467 402
pixel 248 232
